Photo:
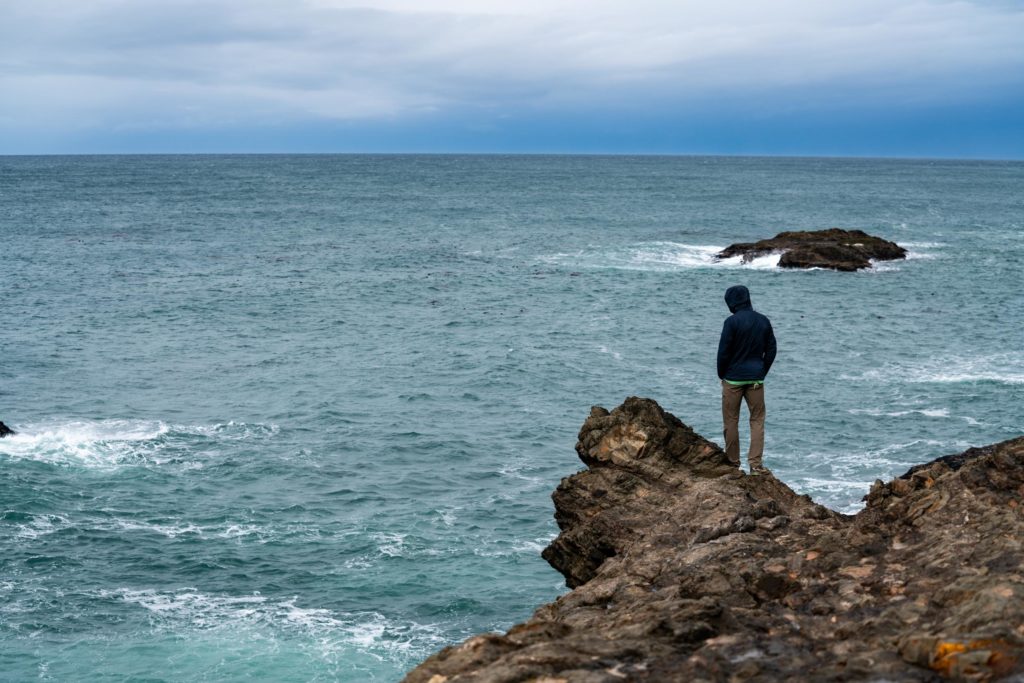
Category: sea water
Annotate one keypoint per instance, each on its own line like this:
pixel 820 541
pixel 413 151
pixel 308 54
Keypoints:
pixel 298 418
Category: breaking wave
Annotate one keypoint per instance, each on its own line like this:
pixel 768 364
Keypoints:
pixel 657 257
pixel 260 616
pixel 671 256
pixel 1004 368
pixel 115 443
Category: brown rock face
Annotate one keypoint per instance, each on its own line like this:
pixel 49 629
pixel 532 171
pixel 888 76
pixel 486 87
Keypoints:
pixel 686 569
pixel 834 248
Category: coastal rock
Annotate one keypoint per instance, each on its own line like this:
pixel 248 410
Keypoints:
pixel 685 569
pixel 845 250
pixel 5 430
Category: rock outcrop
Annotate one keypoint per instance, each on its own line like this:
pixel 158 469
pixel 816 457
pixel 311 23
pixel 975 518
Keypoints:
pixel 5 430
pixel 685 569
pixel 834 248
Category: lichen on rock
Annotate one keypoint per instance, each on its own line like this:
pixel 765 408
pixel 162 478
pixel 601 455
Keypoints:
pixel 685 569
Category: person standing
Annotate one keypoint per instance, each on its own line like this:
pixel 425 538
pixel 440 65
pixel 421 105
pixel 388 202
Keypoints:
pixel 746 351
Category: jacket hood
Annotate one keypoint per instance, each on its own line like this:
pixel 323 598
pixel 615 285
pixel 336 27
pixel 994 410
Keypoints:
pixel 737 298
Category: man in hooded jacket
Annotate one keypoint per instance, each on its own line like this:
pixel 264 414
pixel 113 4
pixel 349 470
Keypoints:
pixel 746 352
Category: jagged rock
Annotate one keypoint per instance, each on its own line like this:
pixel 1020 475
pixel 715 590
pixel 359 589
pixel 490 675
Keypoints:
pixel 6 431
pixel 834 248
pixel 686 569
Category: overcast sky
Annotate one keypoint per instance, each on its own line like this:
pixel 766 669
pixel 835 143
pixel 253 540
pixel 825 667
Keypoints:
pixel 850 77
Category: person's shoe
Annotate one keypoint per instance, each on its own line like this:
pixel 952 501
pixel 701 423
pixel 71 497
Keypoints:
pixel 759 470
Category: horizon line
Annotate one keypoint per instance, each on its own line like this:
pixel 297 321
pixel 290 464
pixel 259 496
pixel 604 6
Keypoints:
pixel 866 157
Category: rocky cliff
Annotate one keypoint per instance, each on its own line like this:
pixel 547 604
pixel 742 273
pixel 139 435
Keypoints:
pixel 685 569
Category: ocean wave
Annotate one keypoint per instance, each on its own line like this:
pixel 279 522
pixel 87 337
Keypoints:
pixel 922 245
pixel 875 412
pixel 839 494
pixel 657 257
pixel 31 526
pixel 672 256
pixel 1001 368
pixel 926 412
pixel 332 632
pixel 97 444
pixel 390 544
pixel 28 525
pixel 115 443
pixel 528 547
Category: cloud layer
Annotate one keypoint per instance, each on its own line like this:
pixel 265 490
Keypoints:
pixel 67 66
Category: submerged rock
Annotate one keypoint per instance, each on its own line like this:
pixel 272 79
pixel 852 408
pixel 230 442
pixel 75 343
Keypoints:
pixel 6 431
pixel 685 569
pixel 834 248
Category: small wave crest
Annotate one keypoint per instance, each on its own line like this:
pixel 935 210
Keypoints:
pixel 527 547
pixel 916 251
pixel 1002 368
pixel 114 443
pixel 875 412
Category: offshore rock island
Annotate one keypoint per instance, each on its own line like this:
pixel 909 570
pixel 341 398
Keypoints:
pixel 685 569
pixel 837 249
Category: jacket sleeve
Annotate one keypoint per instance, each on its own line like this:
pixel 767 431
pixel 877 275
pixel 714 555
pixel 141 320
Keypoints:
pixel 723 349
pixel 769 349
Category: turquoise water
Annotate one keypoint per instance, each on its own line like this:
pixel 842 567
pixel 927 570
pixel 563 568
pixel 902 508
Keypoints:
pixel 298 418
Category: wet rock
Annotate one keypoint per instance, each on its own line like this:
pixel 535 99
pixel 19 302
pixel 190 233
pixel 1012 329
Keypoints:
pixel 837 249
pixel 685 569
pixel 6 431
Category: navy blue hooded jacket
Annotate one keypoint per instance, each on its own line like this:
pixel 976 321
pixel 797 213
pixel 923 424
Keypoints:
pixel 746 350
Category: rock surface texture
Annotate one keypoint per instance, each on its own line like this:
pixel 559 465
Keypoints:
pixel 5 430
pixel 685 569
pixel 833 248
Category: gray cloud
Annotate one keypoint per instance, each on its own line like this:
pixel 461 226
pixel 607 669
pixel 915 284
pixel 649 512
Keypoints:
pixel 193 63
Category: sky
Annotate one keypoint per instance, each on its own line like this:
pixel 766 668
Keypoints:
pixel 904 78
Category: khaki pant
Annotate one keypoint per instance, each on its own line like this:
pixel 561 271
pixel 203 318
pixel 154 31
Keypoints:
pixel 754 396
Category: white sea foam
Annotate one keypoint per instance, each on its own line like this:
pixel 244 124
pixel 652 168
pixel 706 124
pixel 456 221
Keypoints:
pixel 99 444
pixel 448 516
pixel 879 455
pixel 527 547
pixel 766 262
pixel 241 531
pixel 923 245
pixel 45 524
pixel 41 525
pixel 1003 368
pixel 658 256
pixel 927 412
pixel 842 478
pixel 514 470
pixel 114 443
pixel 168 530
pixel 875 412
pixel 670 256
pixel 842 495
pixel 897 264
pixel 390 545
pixel 242 615
pixel 232 431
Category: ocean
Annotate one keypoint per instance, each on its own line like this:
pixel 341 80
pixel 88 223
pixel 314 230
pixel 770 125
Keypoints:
pixel 298 418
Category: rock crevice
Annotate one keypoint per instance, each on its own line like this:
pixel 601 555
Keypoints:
pixel 685 569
